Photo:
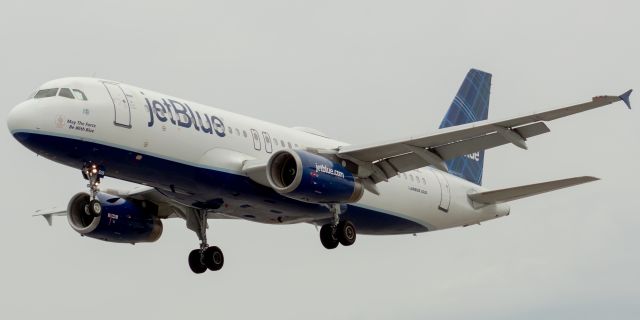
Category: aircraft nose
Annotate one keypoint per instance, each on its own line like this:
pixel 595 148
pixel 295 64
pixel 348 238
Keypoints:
pixel 20 118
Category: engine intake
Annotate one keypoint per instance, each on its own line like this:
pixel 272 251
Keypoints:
pixel 309 177
pixel 124 221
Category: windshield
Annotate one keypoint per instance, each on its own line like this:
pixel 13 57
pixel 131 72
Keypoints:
pixel 65 92
pixel 45 93
pixel 76 94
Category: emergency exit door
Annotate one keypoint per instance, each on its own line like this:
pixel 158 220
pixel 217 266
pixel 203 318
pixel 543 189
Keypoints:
pixel 445 192
pixel 256 139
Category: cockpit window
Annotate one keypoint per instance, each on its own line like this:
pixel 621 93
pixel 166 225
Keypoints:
pixel 45 93
pixel 79 94
pixel 65 92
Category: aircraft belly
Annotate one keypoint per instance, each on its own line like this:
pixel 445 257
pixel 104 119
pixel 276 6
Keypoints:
pixel 227 192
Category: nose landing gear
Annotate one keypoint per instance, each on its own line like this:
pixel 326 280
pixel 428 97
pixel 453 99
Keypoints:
pixel 94 173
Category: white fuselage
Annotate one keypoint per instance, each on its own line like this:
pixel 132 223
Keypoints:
pixel 144 123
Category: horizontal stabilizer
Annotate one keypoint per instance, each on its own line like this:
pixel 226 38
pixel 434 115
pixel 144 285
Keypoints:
pixel 510 194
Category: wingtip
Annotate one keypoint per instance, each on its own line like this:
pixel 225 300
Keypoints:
pixel 625 98
pixel 49 220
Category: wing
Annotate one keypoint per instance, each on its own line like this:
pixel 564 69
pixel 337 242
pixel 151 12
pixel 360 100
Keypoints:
pixel 381 161
pixel 167 208
pixel 48 214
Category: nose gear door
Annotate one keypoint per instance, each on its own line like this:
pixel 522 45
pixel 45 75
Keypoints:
pixel 121 106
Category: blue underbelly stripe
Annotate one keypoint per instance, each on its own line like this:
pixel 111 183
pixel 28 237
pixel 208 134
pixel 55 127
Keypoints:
pixel 201 186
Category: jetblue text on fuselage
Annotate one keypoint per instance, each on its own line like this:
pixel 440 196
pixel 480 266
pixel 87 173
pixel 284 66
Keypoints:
pixel 181 114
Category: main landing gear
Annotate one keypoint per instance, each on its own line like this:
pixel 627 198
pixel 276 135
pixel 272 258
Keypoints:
pixel 206 257
pixel 93 173
pixel 338 232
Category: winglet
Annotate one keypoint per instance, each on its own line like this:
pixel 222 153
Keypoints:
pixel 625 98
pixel 49 220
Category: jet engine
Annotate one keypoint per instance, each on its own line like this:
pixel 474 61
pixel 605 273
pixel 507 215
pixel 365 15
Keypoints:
pixel 120 220
pixel 309 177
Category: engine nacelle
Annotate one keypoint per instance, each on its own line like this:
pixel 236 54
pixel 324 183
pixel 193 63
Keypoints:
pixel 308 177
pixel 124 221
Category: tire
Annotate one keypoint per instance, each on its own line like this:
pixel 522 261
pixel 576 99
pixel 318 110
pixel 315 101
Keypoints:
pixel 213 258
pixel 346 233
pixel 194 262
pixel 328 237
pixel 95 208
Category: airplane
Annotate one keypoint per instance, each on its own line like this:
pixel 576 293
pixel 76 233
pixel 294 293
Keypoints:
pixel 201 163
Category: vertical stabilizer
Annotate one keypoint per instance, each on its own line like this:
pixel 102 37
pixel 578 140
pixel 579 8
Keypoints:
pixel 470 104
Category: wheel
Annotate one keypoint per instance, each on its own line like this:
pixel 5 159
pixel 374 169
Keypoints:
pixel 195 262
pixel 95 207
pixel 346 233
pixel 328 236
pixel 213 258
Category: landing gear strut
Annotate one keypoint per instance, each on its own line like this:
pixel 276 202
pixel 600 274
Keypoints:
pixel 338 232
pixel 93 173
pixel 206 257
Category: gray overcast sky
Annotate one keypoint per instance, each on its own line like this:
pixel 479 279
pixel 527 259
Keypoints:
pixel 360 71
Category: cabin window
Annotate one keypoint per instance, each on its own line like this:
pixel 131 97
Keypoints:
pixel 244 132
pixel 65 92
pixel 230 130
pixel 46 93
pixel 289 144
pixel 238 132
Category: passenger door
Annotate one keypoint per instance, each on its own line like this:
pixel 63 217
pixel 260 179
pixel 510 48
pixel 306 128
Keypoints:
pixel 121 106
